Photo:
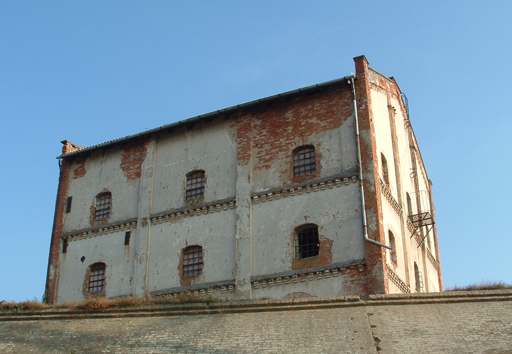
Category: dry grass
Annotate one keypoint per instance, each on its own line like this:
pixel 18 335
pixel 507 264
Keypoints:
pixel 32 305
pixel 102 303
pixel 482 286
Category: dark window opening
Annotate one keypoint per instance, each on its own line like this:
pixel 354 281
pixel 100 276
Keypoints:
pixel 304 161
pixel 192 261
pixel 96 281
pixel 196 181
pixel 68 204
pixel 409 204
pixel 64 245
pixel 385 173
pixel 127 236
pixel 103 206
pixel 307 242
pixel 417 278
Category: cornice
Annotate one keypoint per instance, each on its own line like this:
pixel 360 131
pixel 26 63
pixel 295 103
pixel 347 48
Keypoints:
pixel 188 211
pixel 386 192
pixel 289 277
pixel 102 230
pixel 302 188
pixel 395 278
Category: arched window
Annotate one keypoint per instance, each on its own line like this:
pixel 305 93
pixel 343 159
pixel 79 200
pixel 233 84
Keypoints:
pixel 196 181
pixel 96 279
pixel 192 261
pixel 307 243
pixel 385 172
pixel 392 251
pixel 304 161
pixel 409 204
pixel 417 278
pixel 103 206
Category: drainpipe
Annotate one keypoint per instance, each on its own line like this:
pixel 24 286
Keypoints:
pixel 361 180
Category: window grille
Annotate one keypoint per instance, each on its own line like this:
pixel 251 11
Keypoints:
pixel 103 206
pixel 307 243
pixel 192 261
pixel 304 161
pixel 196 181
pixel 96 283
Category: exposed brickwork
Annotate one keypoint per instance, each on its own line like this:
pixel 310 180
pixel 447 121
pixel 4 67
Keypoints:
pixel 52 276
pixel 375 256
pixel 132 158
pixel 79 170
pixel 271 133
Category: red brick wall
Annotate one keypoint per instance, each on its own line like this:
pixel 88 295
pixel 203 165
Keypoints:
pixel 268 134
pixel 52 277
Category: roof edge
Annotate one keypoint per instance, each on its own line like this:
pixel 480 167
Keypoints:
pixel 196 118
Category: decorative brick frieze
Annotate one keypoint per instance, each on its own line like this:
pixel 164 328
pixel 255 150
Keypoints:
pixel 432 259
pixel 307 187
pixel 130 224
pixel 391 274
pixel 296 276
pixel 386 192
pixel 226 286
pixel 203 209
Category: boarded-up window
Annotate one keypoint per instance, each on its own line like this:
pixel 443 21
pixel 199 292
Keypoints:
pixel 96 281
pixel 196 181
pixel 307 243
pixel 304 161
pixel 385 172
pixel 392 244
pixel 192 261
pixel 103 206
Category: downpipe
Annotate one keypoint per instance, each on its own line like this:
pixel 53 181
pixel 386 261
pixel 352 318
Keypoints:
pixel 361 179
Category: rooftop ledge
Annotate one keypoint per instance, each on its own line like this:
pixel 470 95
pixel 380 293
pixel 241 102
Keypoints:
pixel 119 308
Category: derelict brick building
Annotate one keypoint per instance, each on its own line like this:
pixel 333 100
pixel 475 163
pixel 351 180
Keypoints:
pixel 298 194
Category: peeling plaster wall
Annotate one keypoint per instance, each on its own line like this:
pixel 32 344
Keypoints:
pixel 243 154
pixel 214 232
pixel 103 173
pixel 209 147
pixel 274 224
pixel 108 249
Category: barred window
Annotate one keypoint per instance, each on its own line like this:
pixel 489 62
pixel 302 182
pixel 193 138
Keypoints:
pixel 307 243
pixel 96 281
pixel 103 206
pixel 196 181
pixel 304 161
pixel 192 261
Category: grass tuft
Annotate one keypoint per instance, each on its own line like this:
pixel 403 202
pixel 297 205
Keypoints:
pixel 482 286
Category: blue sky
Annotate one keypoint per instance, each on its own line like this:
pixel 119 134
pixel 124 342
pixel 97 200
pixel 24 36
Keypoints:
pixel 91 71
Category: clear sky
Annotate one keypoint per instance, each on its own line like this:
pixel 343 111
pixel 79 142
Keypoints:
pixel 89 71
